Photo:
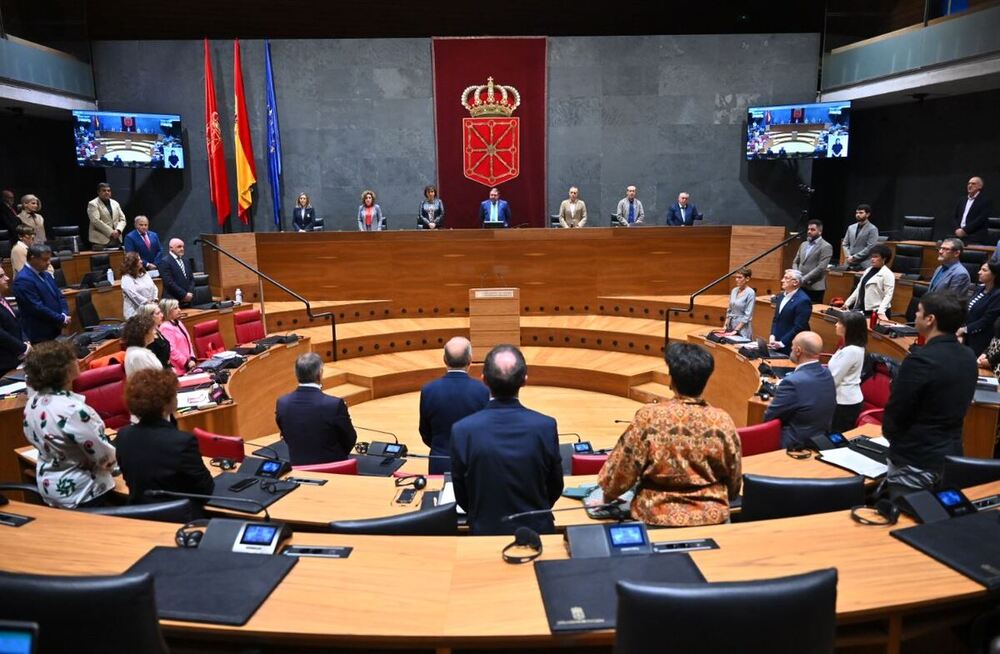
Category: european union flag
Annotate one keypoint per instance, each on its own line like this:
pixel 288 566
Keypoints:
pixel 273 139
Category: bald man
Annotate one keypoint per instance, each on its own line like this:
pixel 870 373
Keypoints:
pixel 972 212
pixel 807 397
pixel 445 401
pixel 505 459
pixel 176 274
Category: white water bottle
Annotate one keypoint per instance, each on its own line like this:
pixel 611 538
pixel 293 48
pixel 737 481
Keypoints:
pixel 111 276
pixel 239 296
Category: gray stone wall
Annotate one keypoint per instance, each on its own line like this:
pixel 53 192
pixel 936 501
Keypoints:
pixel 663 112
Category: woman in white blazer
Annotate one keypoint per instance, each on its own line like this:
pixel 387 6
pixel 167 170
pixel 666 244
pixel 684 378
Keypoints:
pixel 878 283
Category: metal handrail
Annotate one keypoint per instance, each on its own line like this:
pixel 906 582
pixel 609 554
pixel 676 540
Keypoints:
pixel 690 306
pixel 262 275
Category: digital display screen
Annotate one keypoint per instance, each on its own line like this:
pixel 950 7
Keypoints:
pixel 949 498
pixel 837 439
pixel 16 641
pixel 128 139
pixel 393 449
pixel 807 130
pixel 626 535
pixel 270 467
pixel 258 535
pixel 583 448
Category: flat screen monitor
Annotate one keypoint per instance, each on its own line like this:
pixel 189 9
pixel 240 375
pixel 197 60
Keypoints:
pixel 115 139
pixel 799 131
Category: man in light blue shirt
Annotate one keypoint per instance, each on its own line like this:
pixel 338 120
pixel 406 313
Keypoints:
pixel 494 211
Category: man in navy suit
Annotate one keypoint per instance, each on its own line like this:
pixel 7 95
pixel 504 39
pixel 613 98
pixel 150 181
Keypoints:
pixel 505 459
pixel 144 243
pixel 43 308
pixel 791 312
pixel 177 276
pixel 682 212
pixel 445 401
pixel 494 210
pixel 316 426
pixel 807 397
pixel 13 347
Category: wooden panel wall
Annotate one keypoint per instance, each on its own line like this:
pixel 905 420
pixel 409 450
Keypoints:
pixel 748 241
pixel 225 275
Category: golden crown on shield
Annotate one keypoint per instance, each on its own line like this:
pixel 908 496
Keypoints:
pixel 490 99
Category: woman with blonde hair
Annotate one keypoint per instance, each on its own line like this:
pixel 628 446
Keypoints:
pixel 30 208
pixel 181 348
pixel 369 213
pixel 303 215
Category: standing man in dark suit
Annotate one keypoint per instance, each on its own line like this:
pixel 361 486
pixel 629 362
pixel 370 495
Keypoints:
pixel 812 259
pixel 445 401
pixel 9 211
pixel 43 308
pixel 682 213
pixel 177 276
pixel 144 242
pixel 791 312
pixel 807 397
pixel 494 210
pixel 971 213
pixel 929 398
pixel 13 347
pixel 316 426
pixel 505 459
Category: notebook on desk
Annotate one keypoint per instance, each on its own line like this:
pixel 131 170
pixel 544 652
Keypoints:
pixel 967 544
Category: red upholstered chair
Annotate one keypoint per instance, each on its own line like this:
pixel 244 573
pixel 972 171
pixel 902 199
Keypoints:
pixel 757 439
pixel 870 417
pixel 588 464
pixel 208 339
pixel 104 389
pixel 875 389
pixel 345 467
pixel 217 445
pixel 249 326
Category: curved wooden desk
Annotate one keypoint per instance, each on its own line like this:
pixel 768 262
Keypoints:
pixel 374 598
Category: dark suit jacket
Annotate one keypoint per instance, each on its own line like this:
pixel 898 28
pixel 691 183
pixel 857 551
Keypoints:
pixel 975 222
pixel 691 214
pixel 316 426
pixel 155 455
pixel 503 212
pixel 150 255
pixel 505 459
pixel 10 221
pixel 792 320
pixel 804 403
pixel 41 304
pixel 303 218
pixel 11 341
pixel 927 404
pixel 176 284
pixel 979 320
pixel 443 402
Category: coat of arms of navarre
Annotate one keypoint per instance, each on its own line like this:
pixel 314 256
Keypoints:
pixel 491 136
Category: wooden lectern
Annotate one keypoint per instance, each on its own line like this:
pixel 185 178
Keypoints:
pixel 494 319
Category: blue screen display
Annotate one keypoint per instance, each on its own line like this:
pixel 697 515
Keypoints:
pixel 626 535
pixel 258 535
pixel 582 447
pixel 270 467
pixel 128 140
pixel 15 642
pixel 816 131
pixel 949 498
pixel 393 449
pixel 837 439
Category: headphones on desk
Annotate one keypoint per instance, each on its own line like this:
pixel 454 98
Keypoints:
pixel 799 453
pixel 222 462
pixel 885 513
pixel 523 537
pixel 190 534
pixel 416 481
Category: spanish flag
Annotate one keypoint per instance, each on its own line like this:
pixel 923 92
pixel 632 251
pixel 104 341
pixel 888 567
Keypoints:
pixel 246 173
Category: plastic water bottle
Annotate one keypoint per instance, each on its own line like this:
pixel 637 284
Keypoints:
pixel 111 276
pixel 239 296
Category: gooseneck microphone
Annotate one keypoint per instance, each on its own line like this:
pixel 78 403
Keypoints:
pixel 523 514
pixel 579 439
pixel 379 431
pixel 199 496
pixel 623 422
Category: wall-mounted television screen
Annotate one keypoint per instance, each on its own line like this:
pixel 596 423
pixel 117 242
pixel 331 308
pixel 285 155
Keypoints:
pixel 128 140
pixel 797 131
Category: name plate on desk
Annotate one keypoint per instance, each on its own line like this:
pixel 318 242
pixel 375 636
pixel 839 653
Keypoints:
pixel 491 293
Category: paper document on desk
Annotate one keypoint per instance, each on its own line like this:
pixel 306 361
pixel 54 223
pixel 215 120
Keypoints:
pixel 447 496
pixel 992 382
pixel 31 455
pixel 10 389
pixel 881 440
pixel 192 398
pixel 844 457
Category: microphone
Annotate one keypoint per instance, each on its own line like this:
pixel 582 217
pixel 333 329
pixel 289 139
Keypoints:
pixel 523 514
pixel 261 448
pixel 624 422
pixel 379 431
pixel 579 439
pixel 411 455
pixel 199 496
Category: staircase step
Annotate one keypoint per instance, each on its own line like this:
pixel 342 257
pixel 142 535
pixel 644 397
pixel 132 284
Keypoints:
pixel 650 392
pixel 350 393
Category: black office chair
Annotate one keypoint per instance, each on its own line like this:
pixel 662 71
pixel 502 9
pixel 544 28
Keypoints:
pixel 992 230
pixel 179 511
pixel 317 225
pixel 5 248
pixel 201 297
pixel 793 615
pixel 911 308
pixel 96 614
pixel 908 260
pixel 438 521
pixel 554 220
pixel 100 263
pixel 5 235
pixel 87 312
pixel 965 471
pixel 973 260
pixel 918 228
pixel 64 231
pixel 766 498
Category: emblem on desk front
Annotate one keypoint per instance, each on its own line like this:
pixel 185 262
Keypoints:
pixel 577 613
pixel 491 137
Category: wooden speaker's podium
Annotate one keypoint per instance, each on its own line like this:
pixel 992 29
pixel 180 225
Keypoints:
pixel 494 319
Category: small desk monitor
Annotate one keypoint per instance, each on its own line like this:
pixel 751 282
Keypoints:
pixel 18 637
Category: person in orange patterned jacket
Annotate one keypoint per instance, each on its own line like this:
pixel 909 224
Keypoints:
pixel 684 454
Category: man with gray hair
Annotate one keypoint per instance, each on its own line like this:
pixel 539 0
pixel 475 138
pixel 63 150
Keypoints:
pixel 807 397
pixel 316 426
pixel 791 312
pixel 951 274
pixel 446 400
pixel 144 242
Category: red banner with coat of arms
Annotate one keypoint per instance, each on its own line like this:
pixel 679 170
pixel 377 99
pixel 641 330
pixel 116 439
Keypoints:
pixel 489 103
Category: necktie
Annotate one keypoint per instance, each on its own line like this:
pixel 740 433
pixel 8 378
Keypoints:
pixel 493 212
pixel 180 262
pixel 631 211
pixel 145 239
